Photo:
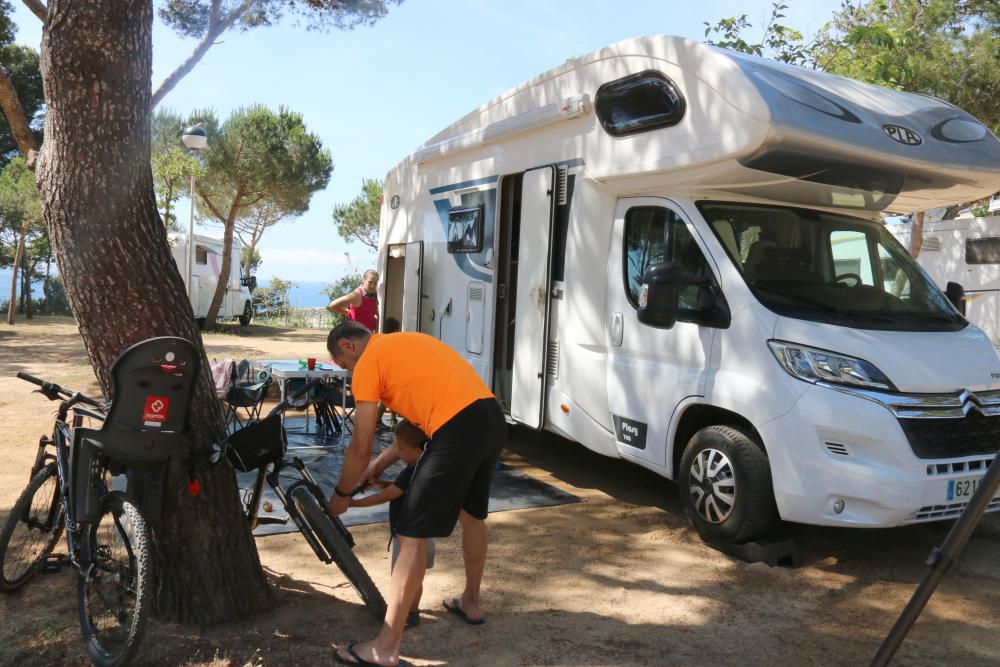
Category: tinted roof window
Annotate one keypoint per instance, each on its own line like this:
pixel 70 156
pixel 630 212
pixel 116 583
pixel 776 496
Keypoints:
pixel 638 103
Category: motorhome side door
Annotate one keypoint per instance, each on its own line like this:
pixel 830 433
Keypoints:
pixel 650 370
pixel 413 268
pixel 532 300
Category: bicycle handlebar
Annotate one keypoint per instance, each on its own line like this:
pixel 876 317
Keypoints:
pixel 53 391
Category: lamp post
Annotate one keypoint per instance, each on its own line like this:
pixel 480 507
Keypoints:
pixel 194 138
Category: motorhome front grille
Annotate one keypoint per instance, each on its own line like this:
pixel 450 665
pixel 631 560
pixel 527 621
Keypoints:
pixel 934 512
pixel 951 438
pixel 959 467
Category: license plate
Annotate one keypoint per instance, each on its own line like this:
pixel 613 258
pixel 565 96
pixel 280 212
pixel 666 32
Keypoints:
pixel 962 489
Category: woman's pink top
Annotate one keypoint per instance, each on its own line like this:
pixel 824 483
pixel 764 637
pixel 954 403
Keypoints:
pixel 367 312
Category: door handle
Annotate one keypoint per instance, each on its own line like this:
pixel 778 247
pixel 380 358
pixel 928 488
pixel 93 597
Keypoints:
pixel 617 329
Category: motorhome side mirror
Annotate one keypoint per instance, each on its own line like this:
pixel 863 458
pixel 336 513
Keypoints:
pixel 658 295
pixel 956 294
pixel 250 282
pixel 667 297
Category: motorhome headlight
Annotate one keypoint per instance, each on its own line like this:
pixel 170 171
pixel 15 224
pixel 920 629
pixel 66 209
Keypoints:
pixel 815 365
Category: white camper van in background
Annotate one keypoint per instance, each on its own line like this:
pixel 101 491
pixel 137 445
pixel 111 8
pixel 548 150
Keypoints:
pixel 671 253
pixel 206 264
pixel 965 251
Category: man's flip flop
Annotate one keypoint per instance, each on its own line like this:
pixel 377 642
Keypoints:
pixel 358 660
pixel 456 609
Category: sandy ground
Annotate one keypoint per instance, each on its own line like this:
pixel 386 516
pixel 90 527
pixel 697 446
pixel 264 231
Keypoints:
pixel 618 579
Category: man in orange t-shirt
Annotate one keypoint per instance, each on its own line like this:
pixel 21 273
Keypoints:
pixel 431 386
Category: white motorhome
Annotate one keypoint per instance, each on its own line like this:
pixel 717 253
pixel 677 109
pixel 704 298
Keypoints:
pixel 206 265
pixel 964 251
pixel 636 251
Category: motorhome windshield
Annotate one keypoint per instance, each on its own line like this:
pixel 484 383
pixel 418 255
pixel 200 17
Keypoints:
pixel 824 267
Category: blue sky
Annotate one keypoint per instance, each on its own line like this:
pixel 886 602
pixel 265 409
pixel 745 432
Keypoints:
pixel 375 94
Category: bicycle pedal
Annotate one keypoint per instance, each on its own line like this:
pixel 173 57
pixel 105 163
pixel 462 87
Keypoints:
pixel 271 521
pixel 54 563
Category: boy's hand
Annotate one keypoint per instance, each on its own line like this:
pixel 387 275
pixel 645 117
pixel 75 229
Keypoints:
pixel 338 504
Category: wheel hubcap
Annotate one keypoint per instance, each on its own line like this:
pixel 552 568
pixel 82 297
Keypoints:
pixel 712 485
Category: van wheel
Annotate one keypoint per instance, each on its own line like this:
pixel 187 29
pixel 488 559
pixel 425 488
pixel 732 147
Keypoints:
pixel 725 486
pixel 247 314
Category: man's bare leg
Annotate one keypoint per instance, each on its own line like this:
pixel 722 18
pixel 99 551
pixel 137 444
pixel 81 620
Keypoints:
pixel 475 538
pixel 404 584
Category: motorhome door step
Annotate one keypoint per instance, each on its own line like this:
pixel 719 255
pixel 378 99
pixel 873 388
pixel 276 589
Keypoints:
pixel 775 552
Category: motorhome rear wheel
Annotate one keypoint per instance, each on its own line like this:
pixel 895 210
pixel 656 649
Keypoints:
pixel 725 486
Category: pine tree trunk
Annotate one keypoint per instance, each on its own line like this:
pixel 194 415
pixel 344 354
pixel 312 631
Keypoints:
pixel 222 286
pixel 917 234
pixel 13 278
pixel 28 273
pixel 97 198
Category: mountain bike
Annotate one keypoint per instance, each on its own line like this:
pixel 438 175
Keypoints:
pixel 71 489
pixel 261 446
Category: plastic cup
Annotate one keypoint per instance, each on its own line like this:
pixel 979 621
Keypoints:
pixel 311 364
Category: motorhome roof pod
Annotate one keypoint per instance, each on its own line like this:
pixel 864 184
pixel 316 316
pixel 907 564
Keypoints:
pixel 745 126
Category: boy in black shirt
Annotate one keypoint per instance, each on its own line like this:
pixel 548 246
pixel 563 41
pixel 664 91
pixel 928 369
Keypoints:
pixel 409 443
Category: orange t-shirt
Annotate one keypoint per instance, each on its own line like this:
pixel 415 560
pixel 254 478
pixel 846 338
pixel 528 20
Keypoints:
pixel 418 377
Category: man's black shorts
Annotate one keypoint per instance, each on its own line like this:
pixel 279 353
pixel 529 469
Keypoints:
pixel 454 472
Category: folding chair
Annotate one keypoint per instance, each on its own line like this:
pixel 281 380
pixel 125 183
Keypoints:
pixel 325 400
pixel 293 385
pixel 248 396
pixel 338 395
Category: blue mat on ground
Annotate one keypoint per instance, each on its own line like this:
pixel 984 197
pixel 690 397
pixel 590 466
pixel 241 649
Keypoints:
pixel 324 455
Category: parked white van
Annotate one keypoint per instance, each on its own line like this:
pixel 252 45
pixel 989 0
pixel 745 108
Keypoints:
pixel 671 253
pixel 206 265
pixel 964 251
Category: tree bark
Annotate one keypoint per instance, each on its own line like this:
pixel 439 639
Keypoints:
pixel 96 188
pixel 18 254
pixel 917 234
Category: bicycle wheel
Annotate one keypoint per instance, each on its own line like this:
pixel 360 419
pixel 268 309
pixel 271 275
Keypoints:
pixel 322 524
pixel 32 529
pixel 115 582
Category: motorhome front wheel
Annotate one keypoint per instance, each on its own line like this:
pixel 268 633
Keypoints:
pixel 725 486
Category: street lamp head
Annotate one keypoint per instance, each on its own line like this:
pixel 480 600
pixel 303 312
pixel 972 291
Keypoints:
pixel 194 137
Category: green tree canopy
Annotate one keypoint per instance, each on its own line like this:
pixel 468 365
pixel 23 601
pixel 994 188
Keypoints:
pixel 21 212
pixel 205 20
pixel 258 161
pixel 20 64
pixel 359 219
pixel 172 165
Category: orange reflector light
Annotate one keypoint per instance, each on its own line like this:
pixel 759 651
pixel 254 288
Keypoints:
pixel 564 408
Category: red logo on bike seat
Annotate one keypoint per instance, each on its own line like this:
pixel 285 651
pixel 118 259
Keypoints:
pixel 155 412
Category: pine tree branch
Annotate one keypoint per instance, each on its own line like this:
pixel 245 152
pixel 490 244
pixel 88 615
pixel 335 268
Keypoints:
pixel 217 25
pixel 37 8
pixel 18 121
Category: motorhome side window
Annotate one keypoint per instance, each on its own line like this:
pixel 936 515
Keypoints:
pixel 638 103
pixel 982 251
pixel 200 255
pixel 654 235
pixel 465 229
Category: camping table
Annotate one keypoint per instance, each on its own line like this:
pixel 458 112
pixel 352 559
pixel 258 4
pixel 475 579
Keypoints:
pixel 285 370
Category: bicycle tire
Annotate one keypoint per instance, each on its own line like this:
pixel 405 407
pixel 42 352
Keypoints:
pixel 112 638
pixel 333 541
pixel 41 526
